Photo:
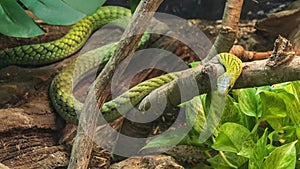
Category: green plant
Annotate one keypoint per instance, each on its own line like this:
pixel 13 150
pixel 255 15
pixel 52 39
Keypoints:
pixel 15 21
pixel 133 4
pixel 259 128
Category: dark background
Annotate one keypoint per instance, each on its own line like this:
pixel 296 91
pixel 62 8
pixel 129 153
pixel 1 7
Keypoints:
pixel 213 9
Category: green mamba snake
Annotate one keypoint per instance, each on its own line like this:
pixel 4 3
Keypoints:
pixel 61 88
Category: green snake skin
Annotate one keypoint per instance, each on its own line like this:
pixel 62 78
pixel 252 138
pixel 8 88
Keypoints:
pixel 233 66
pixel 50 52
pixel 68 106
pixel 217 99
pixel 61 89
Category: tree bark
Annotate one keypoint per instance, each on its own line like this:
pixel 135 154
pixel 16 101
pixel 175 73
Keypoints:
pixel 82 147
pixel 254 74
pixel 228 33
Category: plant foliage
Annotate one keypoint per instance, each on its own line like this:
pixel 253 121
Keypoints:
pixel 15 21
pixel 259 128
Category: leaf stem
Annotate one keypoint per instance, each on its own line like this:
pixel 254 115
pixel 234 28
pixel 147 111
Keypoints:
pixel 226 160
pixel 206 152
pixel 258 121
pixel 224 157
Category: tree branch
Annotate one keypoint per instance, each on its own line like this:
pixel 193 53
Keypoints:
pixel 83 143
pixel 228 33
pixel 257 74
pixel 254 74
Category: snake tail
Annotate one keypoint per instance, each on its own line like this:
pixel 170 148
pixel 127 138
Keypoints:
pixel 50 52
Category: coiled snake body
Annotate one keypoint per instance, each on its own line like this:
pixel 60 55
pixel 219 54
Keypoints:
pixel 62 85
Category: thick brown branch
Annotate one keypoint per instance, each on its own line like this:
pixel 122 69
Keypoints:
pixel 254 74
pixel 257 74
pixel 83 143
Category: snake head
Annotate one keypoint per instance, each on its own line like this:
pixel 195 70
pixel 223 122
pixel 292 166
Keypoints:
pixel 224 83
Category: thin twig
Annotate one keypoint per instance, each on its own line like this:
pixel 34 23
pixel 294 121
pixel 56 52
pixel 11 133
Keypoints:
pixel 246 55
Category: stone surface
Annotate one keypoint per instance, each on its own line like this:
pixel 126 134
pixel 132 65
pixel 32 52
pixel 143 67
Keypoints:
pixel 148 162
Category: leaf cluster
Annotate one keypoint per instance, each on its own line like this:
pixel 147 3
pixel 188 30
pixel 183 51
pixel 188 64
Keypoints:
pixel 259 128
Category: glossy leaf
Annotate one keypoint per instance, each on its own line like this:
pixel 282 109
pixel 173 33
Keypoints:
pixel 296 89
pixel 264 88
pixel 258 153
pixel 293 107
pixel 167 139
pixel 54 11
pixel 88 6
pixel 280 107
pixel 231 137
pixel 285 86
pixel 247 146
pixel 272 105
pixel 15 22
pixel 249 102
pixel 289 92
pixel 283 157
pixel 232 113
pixel 217 162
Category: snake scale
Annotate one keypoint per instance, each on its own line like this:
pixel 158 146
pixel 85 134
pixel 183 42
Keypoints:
pixel 61 89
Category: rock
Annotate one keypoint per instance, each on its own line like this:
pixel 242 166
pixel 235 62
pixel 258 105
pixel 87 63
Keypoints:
pixel 148 162
pixel 2 166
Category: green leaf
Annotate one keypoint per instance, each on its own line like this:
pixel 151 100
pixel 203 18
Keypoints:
pixel 258 153
pixel 232 113
pixel 218 162
pixel 290 134
pixel 133 4
pixel 287 134
pixel 272 105
pixel 167 139
pixel 15 22
pixel 89 7
pixel 247 146
pixel 293 107
pixel 54 11
pixel 279 107
pixel 195 115
pixel 249 102
pixel 264 88
pixel 283 157
pixel 281 85
pixel 278 124
pixel 296 89
pixel 231 137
